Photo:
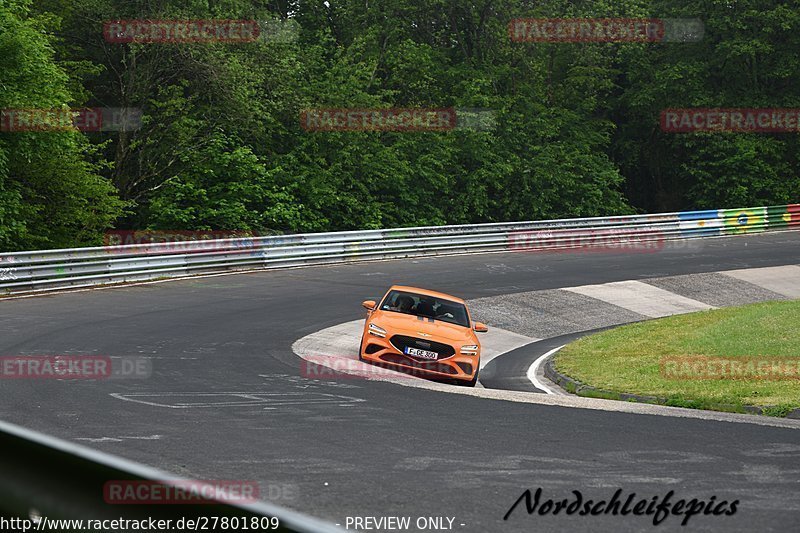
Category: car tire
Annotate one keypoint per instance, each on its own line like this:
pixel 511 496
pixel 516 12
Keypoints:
pixel 360 344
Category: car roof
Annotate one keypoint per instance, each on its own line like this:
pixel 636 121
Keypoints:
pixel 426 292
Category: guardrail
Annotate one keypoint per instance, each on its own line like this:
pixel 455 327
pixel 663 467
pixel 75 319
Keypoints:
pixel 43 270
pixel 48 478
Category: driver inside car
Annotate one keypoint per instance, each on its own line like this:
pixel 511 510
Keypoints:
pixel 425 308
pixel 403 304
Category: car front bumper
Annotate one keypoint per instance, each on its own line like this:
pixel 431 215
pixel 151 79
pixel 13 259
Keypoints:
pixel 382 352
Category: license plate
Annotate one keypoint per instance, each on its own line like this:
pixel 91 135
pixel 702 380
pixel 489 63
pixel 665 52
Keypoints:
pixel 424 354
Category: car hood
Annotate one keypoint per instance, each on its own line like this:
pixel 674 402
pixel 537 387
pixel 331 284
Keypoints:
pixel 398 323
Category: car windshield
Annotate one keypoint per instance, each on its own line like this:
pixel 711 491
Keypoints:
pixel 423 305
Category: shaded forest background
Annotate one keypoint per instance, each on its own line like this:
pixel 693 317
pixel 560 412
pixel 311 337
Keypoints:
pixel 221 147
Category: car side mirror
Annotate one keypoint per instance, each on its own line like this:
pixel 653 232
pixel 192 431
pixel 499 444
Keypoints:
pixel 368 304
pixel 480 327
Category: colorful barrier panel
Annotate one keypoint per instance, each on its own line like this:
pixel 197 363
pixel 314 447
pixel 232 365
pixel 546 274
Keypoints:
pixel 794 214
pixel 700 222
pixel 783 215
pixel 749 220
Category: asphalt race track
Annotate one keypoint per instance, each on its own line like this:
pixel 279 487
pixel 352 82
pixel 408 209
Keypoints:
pixel 226 399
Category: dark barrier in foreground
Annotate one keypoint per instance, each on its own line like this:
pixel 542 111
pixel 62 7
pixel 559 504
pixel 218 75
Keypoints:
pixel 44 478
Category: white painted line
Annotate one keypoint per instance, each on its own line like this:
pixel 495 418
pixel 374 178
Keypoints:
pixel 118 439
pixel 534 368
pixel 641 298
pixel 248 399
pixel 784 280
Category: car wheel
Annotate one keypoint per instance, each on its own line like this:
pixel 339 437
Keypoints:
pixel 360 344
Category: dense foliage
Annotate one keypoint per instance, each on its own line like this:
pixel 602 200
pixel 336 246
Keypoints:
pixel 576 128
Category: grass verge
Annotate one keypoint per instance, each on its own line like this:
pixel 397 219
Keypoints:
pixel 732 357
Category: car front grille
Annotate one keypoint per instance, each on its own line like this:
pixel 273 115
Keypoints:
pixel 402 341
pixel 407 361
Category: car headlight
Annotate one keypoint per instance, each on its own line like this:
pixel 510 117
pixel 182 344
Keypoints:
pixel 375 330
pixel 469 349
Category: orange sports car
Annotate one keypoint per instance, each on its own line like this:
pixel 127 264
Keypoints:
pixel 422 332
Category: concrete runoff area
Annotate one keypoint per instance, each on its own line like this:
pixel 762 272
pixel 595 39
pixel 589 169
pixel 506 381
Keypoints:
pixel 549 313
pixel 716 289
pixel 641 298
pixel 783 280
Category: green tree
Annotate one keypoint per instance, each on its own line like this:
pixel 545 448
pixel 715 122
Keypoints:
pixel 51 193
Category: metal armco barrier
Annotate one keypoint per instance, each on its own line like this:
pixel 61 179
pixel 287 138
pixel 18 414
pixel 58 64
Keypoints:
pixel 43 270
pixel 48 478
